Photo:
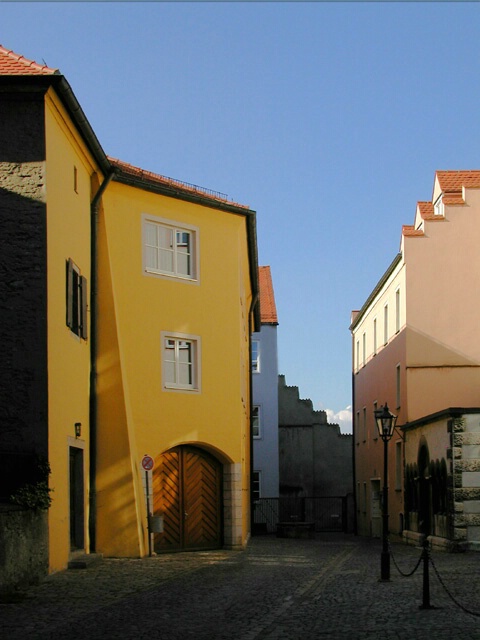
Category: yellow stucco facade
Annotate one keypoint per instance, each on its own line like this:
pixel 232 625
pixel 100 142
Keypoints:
pixel 137 413
pixel 68 169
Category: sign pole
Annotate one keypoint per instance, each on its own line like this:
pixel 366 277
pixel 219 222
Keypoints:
pixel 148 515
pixel 147 464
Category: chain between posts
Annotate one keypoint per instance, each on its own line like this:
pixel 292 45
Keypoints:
pixel 405 575
pixel 452 598
pixel 426 596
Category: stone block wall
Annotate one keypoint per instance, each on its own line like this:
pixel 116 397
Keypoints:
pixel 466 481
pixel 232 506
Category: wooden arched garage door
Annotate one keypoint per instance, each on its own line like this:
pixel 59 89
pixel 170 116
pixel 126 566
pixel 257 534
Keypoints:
pixel 187 491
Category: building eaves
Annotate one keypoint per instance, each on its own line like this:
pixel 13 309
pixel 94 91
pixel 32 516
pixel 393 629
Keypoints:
pixel 380 284
pixel 19 74
pixel 451 412
pixel 135 176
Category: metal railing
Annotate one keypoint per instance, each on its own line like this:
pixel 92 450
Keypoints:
pixel 328 514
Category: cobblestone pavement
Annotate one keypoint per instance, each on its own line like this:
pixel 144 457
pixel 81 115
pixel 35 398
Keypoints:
pixel 276 589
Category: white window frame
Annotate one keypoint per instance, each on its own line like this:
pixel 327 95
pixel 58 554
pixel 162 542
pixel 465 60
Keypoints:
pixel 194 362
pixel 176 229
pixel 375 337
pixel 364 349
pixel 256 409
pixel 255 356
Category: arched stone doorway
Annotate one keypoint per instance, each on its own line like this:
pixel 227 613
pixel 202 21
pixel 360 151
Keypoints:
pixel 187 492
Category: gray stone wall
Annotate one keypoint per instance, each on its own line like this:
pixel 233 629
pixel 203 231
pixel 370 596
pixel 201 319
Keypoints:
pixel 315 457
pixel 23 547
pixel 23 289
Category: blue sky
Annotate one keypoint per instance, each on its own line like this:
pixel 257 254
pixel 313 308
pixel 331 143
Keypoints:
pixel 328 119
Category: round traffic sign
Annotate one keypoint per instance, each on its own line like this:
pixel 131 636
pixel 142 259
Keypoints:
pixel 147 463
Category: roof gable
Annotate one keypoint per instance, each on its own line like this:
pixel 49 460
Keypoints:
pixel 12 64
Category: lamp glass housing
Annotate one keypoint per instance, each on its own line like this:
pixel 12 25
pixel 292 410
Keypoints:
pixel 386 421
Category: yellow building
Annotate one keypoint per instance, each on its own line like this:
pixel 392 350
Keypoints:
pixel 127 309
pixel 176 292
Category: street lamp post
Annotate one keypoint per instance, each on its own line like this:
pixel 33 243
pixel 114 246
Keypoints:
pixel 386 424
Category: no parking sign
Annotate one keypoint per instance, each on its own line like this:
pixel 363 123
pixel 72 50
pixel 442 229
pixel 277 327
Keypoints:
pixel 147 463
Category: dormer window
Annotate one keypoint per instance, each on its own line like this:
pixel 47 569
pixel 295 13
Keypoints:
pixel 438 209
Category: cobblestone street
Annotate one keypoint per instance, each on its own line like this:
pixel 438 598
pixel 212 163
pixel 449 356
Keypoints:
pixel 277 589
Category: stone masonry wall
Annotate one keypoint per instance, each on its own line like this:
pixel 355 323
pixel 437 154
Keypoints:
pixel 23 547
pixel 23 294
pixel 466 481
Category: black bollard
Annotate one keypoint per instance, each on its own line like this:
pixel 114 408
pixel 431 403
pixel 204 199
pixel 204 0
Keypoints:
pixel 426 578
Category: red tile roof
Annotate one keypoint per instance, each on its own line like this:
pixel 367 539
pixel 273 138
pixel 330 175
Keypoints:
pixel 176 185
pixel 268 309
pixel 12 64
pixel 426 210
pixel 410 231
pixel 453 181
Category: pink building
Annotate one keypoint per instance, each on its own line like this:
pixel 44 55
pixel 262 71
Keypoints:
pixel 416 347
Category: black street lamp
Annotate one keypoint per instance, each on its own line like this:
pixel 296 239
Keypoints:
pixel 386 424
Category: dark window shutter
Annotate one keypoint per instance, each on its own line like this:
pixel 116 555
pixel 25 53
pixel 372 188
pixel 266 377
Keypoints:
pixel 70 293
pixel 83 303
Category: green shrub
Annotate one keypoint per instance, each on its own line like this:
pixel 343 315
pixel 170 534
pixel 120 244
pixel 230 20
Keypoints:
pixel 35 495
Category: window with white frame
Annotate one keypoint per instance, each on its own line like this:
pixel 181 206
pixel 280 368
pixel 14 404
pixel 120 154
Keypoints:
pixel 76 294
pixel 374 336
pixel 256 485
pixel 364 349
pixel 255 356
pixel 170 249
pixel 256 422
pixel 181 361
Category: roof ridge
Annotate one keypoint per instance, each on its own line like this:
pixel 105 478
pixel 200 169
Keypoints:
pixel 12 63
